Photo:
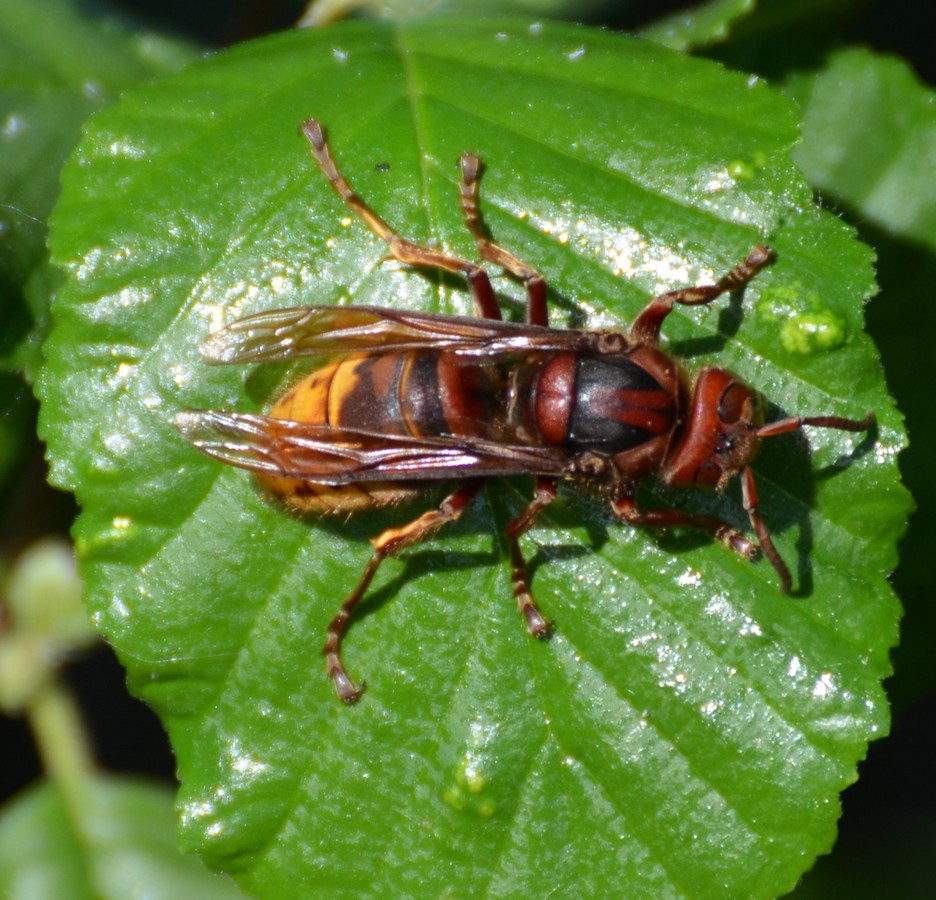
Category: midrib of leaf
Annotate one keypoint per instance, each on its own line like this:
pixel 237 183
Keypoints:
pixel 415 94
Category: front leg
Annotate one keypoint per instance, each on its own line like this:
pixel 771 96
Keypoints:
pixel 646 327
pixel 625 507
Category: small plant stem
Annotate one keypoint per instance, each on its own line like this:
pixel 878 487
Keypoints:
pixel 63 746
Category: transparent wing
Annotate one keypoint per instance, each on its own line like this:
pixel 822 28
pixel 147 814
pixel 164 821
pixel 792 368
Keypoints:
pixel 324 330
pixel 333 456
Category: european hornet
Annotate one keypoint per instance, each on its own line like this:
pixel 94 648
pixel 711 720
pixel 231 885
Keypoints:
pixel 410 399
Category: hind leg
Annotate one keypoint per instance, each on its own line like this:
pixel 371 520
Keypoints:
pixel 401 249
pixel 537 312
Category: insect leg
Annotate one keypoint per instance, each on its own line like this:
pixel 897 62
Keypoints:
pixel 537 312
pixel 751 504
pixel 749 488
pixel 400 248
pixel 545 493
pixel 625 507
pixel 646 327
pixel 386 544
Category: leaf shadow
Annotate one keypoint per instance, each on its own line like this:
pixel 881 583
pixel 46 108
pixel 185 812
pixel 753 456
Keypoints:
pixel 730 317
pixel 424 559
pixel 786 462
pixel 418 560
pixel 418 563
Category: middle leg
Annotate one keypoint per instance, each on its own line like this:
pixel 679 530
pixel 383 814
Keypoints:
pixel 544 494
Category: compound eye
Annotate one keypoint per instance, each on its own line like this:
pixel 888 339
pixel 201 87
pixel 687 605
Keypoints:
pixel 731 406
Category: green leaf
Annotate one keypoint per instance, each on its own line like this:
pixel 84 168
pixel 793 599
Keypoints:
pixel 124 847
pixel 869 140
pixel 687 729
pixel 699 25
pixel 55 70
pixel 322 12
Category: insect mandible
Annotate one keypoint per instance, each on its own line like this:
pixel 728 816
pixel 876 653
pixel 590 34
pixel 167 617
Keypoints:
pixel 410 399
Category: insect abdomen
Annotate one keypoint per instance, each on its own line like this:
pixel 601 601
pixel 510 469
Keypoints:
pixel 420 394
pixel 323 398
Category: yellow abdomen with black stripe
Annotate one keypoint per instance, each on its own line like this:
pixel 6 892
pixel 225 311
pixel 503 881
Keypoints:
pixel 416 394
